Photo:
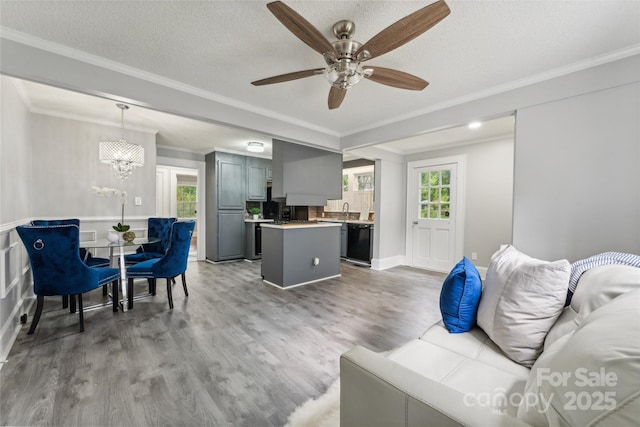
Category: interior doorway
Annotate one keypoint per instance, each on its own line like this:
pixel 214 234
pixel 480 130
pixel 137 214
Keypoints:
pixel 435 210
pixel 177 196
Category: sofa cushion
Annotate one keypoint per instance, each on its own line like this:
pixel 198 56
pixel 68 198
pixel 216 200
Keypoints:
pixel 521 300
pixel 590 376
pixel 474 344
pixel 481 384
pixel 598 286
pixel 460 296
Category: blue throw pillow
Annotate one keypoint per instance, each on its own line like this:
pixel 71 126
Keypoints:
pixel 460 297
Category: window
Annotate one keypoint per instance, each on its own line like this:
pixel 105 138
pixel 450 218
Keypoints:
pixel 186 196
pixel 435 194
pixel 365 182
pixel 345 183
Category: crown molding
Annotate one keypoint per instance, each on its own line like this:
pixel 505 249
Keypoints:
pixel 516 84
pixel 68 116
pixel 79 55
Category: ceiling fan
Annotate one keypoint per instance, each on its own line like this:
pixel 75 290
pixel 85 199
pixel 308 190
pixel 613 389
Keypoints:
pixel 345 57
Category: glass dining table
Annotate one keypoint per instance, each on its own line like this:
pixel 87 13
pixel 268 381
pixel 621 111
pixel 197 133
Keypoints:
pixel 117 259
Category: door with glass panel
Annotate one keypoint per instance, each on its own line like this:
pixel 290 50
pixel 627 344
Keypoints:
pixel 433 216
pixel 186 201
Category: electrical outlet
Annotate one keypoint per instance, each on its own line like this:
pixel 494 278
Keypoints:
pixel 138 201
pixel 474 256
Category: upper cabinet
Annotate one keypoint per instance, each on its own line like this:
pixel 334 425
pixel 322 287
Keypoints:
pixel 258 171
pixel 230 171
pixel 305 175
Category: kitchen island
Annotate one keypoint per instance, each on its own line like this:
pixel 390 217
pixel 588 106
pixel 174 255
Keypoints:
pixel 299 253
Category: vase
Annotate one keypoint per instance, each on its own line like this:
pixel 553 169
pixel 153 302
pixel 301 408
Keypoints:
pixel 256 217
pixel 128 236
pixel 115 236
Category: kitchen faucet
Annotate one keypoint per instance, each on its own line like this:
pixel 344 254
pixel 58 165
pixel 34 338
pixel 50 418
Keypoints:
pixel 346 211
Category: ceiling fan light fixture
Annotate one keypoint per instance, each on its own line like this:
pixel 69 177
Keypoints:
pixel 255 146
pixel 344 74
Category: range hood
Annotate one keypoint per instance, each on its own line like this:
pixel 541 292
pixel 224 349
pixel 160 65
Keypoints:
pixel 305 176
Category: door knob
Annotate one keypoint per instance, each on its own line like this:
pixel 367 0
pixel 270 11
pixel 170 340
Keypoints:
pixel 415 222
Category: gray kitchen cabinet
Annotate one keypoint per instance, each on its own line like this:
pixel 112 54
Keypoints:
pixel 257 179
pixel 343 240
pixel 231 232
pixel 231 181
pixel 225 180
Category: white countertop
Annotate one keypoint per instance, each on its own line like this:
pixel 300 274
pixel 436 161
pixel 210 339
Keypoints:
pixel 294 225
pixel 257 220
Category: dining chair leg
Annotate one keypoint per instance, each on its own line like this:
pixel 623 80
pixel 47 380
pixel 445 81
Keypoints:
pixel 152 291
pixel 36 317
pixel 115 287
pixel 153 286
pixel 81 312
pixel 130 293
pixel 184 285
pixel 65 301
pixel 105 291
pixel 169 293
pixel 72 303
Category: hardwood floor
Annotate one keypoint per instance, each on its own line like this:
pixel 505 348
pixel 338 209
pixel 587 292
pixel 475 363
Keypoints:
pixel 236 352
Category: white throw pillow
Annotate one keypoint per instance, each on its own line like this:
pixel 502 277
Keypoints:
pixel 590 377
pixel 521 300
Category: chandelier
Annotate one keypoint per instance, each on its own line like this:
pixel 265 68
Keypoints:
pixel 121 155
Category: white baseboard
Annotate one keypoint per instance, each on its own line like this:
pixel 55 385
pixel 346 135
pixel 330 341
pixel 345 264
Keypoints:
pixel 384 263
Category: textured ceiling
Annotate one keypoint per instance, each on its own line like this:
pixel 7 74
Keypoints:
pixel 219 47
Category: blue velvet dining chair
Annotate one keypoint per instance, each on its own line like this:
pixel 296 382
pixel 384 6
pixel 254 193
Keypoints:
pixel 57 269
pixel 85 255
pixel 156 227
pixel 172 264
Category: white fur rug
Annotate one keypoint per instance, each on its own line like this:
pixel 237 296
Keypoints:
pixel 321 412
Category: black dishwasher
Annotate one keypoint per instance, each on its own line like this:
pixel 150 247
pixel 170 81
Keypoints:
pixel 359 238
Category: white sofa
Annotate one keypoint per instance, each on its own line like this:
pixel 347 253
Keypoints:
pixel 443 379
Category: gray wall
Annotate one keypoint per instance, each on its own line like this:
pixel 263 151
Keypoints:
pixel 390 203
pixel 488 195
pixel 15 155
pixel 15 205
pixel 66 166
pixel 577 175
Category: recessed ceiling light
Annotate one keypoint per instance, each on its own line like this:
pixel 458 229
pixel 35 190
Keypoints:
pixel 474 125
pixel 255 147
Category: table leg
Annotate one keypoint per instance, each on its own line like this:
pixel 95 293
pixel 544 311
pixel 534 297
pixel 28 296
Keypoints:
pixel 123 281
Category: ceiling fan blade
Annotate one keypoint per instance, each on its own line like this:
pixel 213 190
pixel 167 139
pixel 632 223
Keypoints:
pixel 300 27
pixel 289 76
pixel 336 95
pixel 395 78
pixel 406 29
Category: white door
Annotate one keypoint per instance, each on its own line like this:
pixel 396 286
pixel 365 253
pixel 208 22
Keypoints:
pixel 433 207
